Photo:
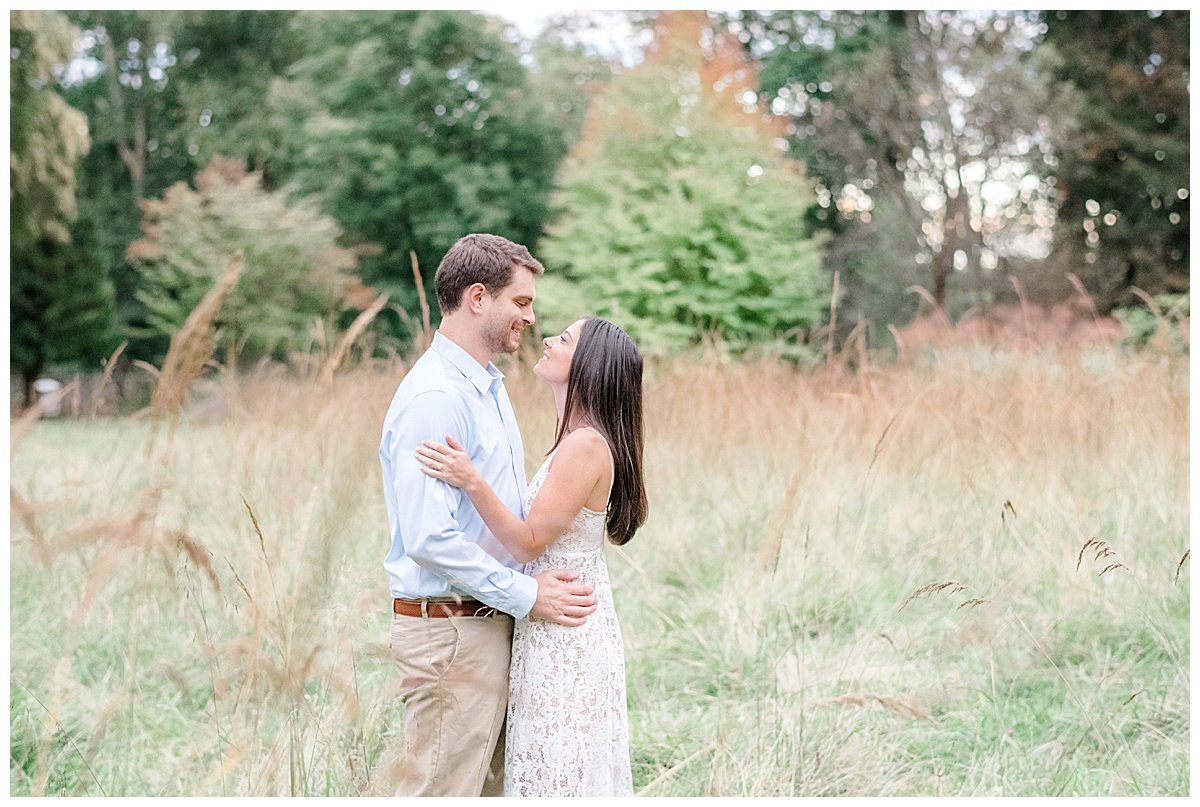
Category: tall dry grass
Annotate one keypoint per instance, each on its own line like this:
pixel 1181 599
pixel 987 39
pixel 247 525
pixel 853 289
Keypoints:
pixel 895 581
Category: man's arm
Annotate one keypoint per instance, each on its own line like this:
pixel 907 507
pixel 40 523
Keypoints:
pixel 579 462
pixel 427 511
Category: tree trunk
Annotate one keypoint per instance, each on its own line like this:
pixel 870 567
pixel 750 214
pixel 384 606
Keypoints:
pixel 133 155
pixel 943 264
pixel 136 157
pixel 28 377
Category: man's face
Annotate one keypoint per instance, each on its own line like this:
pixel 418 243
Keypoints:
pixel 509 313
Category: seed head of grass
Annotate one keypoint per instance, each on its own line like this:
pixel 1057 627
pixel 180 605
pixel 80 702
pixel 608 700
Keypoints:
pixel 1186 555
pixel 889 702
pixel 192 345
pixel 953 586
pixel 196 553
pixel 1100 549
pixel 347 340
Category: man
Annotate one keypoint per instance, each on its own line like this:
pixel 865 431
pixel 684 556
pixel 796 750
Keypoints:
pixel 455 589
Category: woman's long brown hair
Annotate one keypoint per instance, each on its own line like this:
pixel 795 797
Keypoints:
pixel 604 387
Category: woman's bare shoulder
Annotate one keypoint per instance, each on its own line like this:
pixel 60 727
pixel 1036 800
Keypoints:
pixel 583 447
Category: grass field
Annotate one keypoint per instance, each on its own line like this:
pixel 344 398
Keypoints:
pixel 962 575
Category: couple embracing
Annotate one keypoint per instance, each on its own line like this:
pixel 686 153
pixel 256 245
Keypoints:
pixel 503 629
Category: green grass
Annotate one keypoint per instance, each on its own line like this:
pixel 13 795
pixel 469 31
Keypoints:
pixel 772 646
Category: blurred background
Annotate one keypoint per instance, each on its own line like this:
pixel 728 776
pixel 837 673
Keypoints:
pixel 781 181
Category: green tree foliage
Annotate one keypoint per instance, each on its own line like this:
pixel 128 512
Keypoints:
pixel 167 91
pixel 229 60
pixel 295 275
pixel 131 154
pixel 61 305
pixel 61 302
pixel 164 92
pixel 46 135
pixel 414 128
pixel 410 127
pixel 679 215
pixel 1124 186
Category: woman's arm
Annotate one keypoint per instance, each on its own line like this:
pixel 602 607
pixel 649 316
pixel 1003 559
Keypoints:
pixel 580 464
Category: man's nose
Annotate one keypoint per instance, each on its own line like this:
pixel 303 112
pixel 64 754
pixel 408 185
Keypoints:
pixel 530 318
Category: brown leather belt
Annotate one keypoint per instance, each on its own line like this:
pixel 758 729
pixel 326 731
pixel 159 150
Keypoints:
pixel 441 609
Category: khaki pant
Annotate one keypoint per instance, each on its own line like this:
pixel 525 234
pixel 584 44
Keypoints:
pixel 454 684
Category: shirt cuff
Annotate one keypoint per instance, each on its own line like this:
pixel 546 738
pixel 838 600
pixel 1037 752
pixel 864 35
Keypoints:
pixel 524 594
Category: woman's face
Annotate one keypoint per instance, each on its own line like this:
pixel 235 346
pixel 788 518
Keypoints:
pixel 555 363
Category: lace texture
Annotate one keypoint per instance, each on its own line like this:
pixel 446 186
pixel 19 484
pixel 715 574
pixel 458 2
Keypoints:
pixel 568 732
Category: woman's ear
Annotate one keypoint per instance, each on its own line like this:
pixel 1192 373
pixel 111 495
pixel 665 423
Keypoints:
pixel 474 297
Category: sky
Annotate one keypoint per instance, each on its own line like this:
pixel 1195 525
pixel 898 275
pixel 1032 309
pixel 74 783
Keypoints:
pixel 610 35
pixel 529 19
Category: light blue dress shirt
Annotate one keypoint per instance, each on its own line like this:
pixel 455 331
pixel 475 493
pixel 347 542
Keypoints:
pixel 440 544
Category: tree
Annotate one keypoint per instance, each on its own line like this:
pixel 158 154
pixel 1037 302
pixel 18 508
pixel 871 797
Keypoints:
pixel 414 128
pixel 229 60
pixel 60 299
pixel 295 274
pixel 1123 189
pixel 167 91
pixel 679 215
pixel 937 118
pixel 164 92
pixel 46 135
pixel 342 106
pixel 61 305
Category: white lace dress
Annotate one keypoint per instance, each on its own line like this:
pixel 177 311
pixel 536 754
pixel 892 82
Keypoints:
pixel 568 731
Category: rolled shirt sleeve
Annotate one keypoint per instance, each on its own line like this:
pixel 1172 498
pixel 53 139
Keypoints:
pixel 427 512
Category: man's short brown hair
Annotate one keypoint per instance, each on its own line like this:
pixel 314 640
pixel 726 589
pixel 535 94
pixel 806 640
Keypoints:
pixel 479 258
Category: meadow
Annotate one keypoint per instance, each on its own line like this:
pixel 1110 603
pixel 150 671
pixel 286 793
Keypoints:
pixel 963 573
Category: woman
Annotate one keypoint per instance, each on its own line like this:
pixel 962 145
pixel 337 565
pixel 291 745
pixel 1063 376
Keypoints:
pixel 567 731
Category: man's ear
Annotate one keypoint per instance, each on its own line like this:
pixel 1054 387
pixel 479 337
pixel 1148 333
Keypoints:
pixel 473 297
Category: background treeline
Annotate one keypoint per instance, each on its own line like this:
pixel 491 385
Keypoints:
pixel 750 168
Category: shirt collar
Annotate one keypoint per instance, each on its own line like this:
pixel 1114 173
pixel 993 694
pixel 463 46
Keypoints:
pixel 482 377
